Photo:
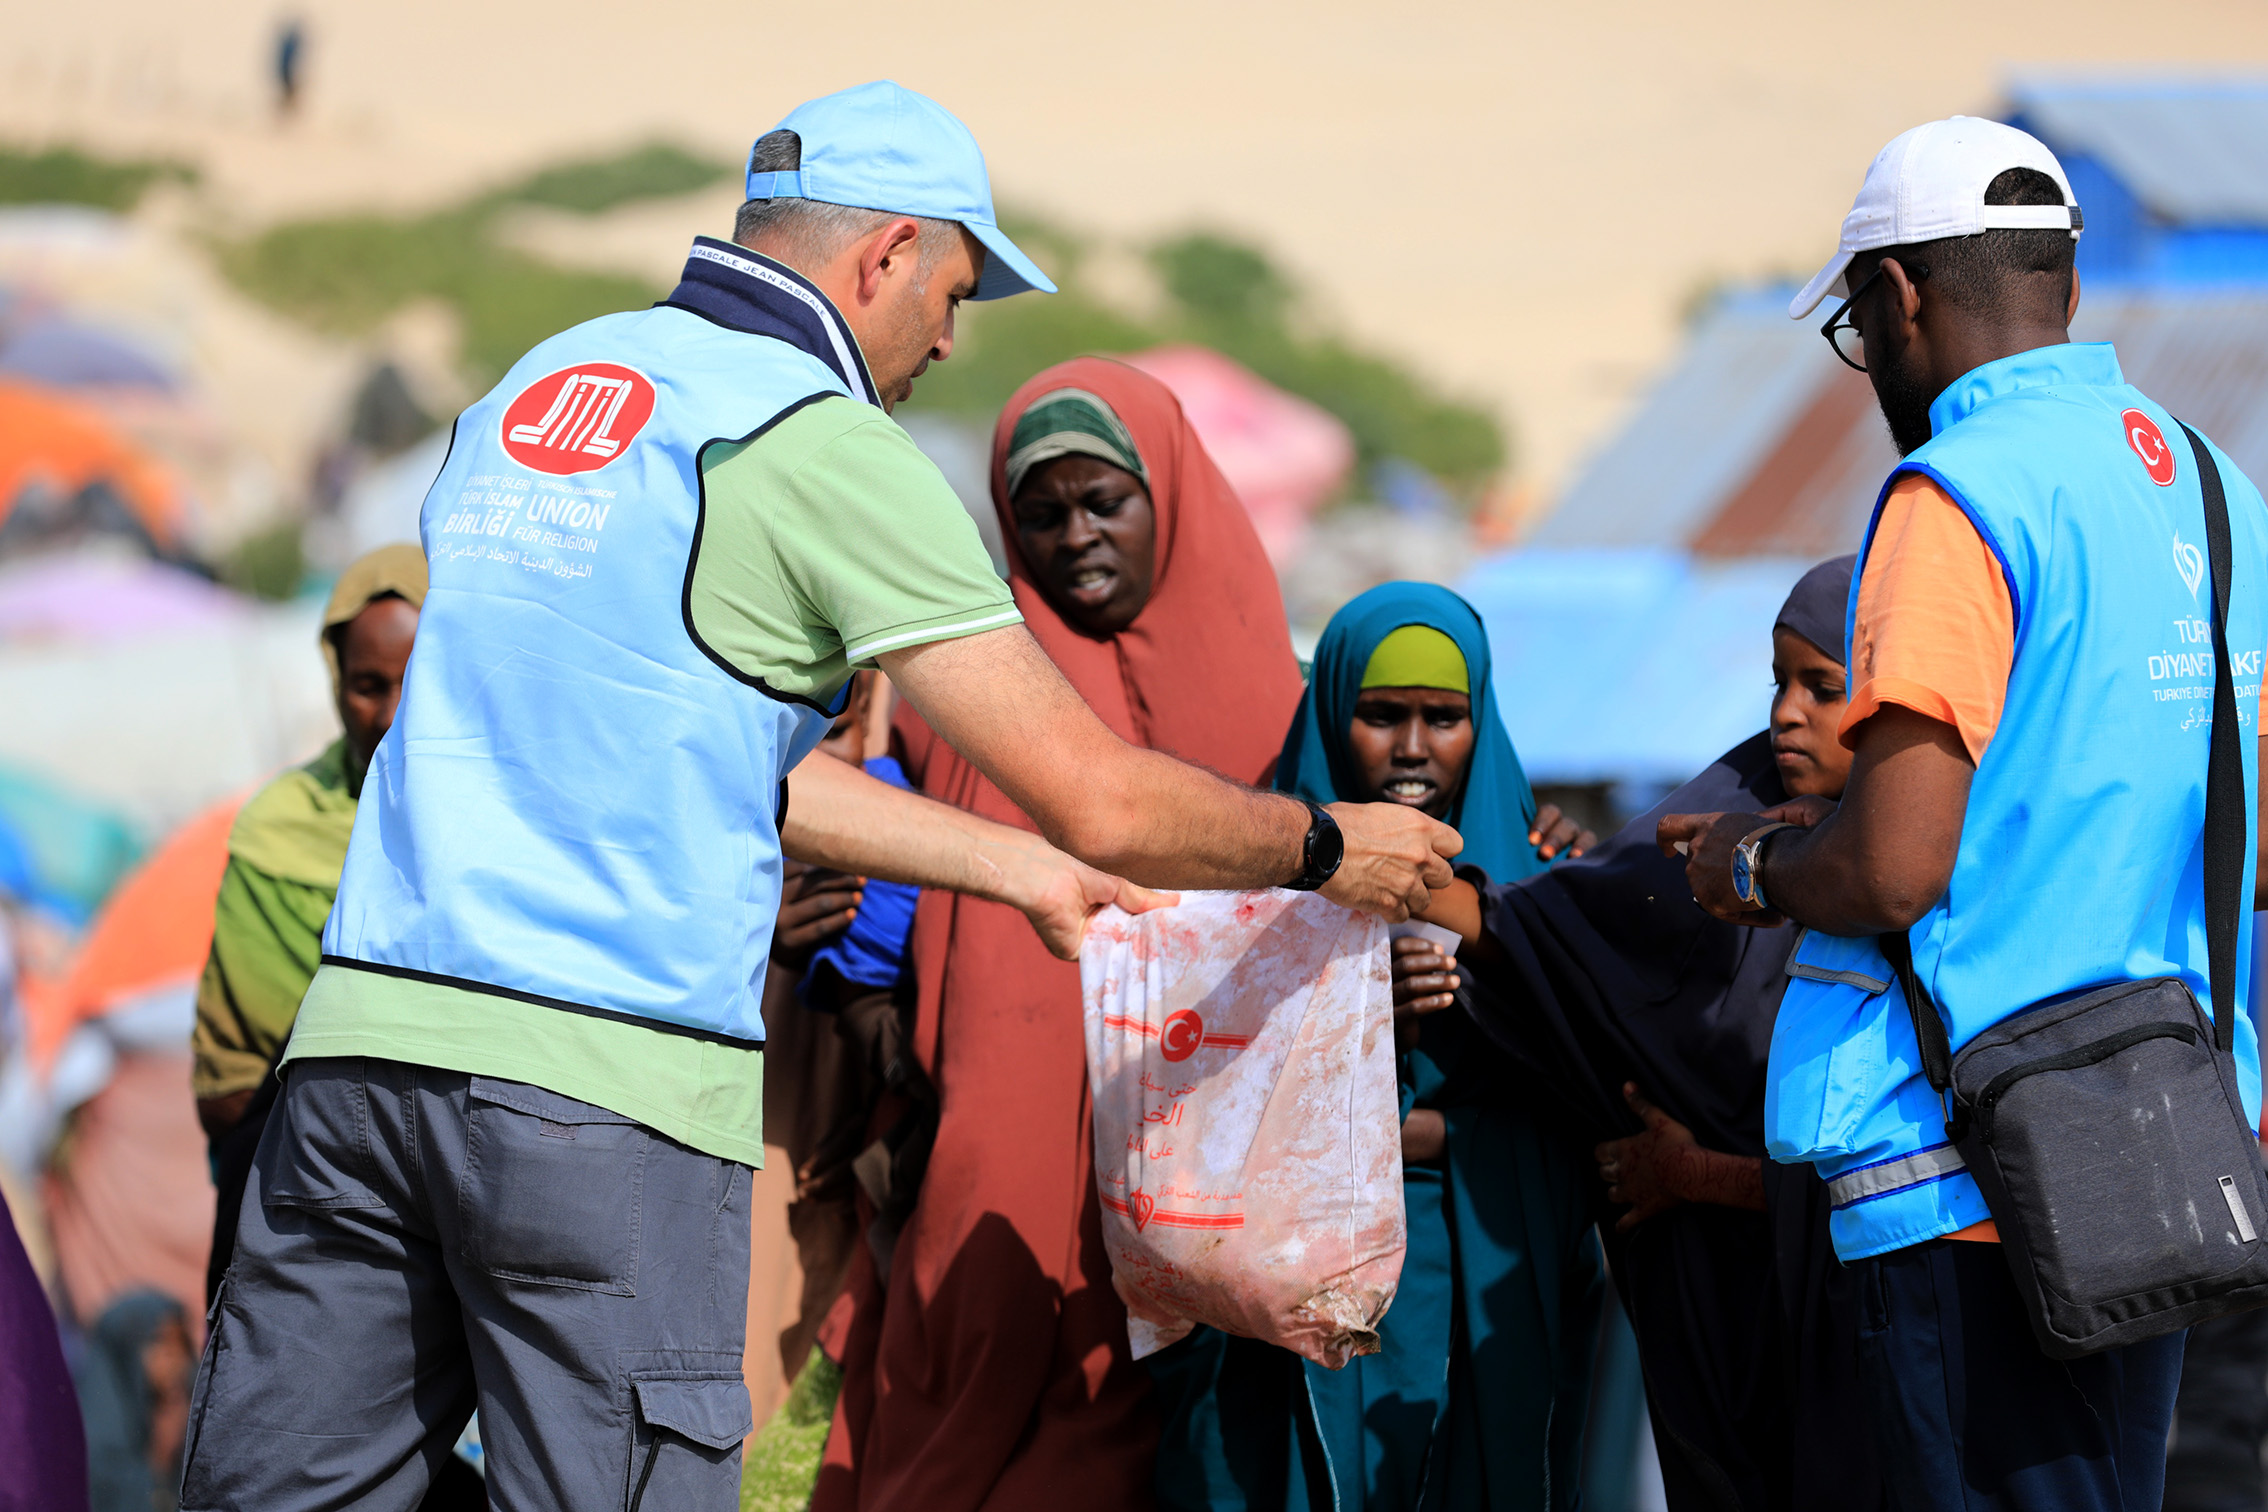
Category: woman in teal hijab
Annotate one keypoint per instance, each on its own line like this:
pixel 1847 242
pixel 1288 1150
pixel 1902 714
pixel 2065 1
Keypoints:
pixel 1379 641
pixel 1475 1400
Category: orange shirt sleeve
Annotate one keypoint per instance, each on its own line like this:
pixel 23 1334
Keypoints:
pixel 1936 632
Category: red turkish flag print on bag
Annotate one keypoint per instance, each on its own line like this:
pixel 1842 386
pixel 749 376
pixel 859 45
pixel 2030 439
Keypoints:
pixel 2149 444
pixel 578 418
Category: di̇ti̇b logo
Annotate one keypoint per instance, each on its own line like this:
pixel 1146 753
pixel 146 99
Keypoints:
pixel 578 418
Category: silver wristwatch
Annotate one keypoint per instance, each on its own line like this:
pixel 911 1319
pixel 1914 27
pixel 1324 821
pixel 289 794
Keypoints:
pixel 1748 865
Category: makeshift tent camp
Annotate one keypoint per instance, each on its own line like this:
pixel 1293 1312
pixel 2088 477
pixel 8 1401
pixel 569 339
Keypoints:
pixel 157 722
pixel 1668 656
pixel 146 946
pixel 101 595
pixel 66 473
pixel 128 1195
pixel 45 347
pixel 72 851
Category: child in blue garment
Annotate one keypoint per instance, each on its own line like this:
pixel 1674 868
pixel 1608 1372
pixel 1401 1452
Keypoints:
pixel 835 1026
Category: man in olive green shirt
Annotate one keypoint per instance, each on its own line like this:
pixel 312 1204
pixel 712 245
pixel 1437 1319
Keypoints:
pixel 284 854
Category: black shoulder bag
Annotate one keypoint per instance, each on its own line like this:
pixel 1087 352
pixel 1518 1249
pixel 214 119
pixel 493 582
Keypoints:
pixel 2105 1127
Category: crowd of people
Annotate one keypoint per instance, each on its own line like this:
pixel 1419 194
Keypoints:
pixel 766 811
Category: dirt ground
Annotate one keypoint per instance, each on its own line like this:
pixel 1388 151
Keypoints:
pixel 1521 198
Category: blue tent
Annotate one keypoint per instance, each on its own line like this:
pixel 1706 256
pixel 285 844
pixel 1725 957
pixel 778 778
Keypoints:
pixel 57 850
pixel 1629 665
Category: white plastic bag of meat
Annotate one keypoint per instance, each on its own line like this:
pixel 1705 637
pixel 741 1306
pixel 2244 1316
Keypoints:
pixel 1247 1148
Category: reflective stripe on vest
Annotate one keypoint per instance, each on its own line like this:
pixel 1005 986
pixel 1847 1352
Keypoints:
pixel 1894 1175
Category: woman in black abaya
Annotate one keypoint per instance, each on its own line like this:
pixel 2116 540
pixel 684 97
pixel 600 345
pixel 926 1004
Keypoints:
pixel 1645 1024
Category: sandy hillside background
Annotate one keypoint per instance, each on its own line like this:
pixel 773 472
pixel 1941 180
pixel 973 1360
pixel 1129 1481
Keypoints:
pixel 1518 198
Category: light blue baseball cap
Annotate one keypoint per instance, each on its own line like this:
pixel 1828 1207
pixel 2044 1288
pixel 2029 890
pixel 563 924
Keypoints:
pixel 882 147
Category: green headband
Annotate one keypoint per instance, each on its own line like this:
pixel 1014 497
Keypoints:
pixel 1069 422
pixel 1418 656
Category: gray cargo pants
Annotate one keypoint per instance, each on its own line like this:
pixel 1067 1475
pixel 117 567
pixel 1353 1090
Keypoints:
pixel 415 1243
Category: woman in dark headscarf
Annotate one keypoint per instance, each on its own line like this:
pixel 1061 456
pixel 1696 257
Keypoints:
pixel 1646 1024
pixel 1475 1399
pixel 986 1364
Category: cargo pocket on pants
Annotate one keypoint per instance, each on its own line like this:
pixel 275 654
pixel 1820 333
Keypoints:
pixel 685 1450
pixel 316 1147
pixel 551 1189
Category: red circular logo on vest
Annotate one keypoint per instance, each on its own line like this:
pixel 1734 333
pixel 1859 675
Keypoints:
pixel 578 418
pixel 2149 444
pixel 1183 1033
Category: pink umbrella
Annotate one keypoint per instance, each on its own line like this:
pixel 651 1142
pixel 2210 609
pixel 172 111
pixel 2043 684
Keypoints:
pixel 1282 455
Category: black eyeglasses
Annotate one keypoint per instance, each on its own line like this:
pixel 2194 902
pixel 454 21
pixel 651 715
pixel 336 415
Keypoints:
pixel 1842 335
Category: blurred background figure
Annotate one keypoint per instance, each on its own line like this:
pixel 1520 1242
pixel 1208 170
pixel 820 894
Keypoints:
pixel 133 1379
pixel 835 1026
pixel 289 62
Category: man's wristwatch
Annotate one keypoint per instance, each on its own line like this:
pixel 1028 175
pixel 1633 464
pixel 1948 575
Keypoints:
pixel 1324 849
pixel 1748 865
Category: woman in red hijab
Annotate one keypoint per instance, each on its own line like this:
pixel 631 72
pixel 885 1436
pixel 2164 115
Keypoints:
pixel 985 1362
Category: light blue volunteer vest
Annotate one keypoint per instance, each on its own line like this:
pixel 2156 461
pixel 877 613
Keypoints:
pixel 577 805
pixel 2081 855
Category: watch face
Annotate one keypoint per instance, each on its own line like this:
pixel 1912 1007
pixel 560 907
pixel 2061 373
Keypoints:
pixel 1744 875
pixel 1326 850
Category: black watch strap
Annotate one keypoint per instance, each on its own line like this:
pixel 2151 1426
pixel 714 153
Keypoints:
pixel 1322 851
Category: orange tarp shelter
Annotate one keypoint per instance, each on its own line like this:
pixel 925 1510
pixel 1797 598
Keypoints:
pixel 153 932
pixel 128 1193
pixel 51 441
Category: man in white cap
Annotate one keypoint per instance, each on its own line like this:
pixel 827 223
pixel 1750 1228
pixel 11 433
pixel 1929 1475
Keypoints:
pixel 510 1164
pixel 2025 818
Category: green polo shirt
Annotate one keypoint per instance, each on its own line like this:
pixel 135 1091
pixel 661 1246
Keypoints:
pixel 826 541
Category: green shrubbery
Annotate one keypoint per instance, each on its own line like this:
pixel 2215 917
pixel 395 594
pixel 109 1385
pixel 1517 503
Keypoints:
pixel 269 564
pixel 66 176
pixel 347 273
pixel 654 171
pixel 1226 295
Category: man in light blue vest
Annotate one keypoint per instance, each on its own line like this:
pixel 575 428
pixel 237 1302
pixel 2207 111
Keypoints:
pixel 510 1166
pixel 2027 797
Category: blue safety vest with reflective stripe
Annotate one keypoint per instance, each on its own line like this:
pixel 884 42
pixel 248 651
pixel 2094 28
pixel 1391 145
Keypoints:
pixel 578 804
pixel 2081 854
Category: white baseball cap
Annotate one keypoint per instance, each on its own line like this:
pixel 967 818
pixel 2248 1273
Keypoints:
pixel 1930 183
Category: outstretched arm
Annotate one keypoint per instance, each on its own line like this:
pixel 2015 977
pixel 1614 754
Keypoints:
pixel 1000 702
pixel 1872 865
pixel 840 817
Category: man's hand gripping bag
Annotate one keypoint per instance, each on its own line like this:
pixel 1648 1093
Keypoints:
pixel 1247 1125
